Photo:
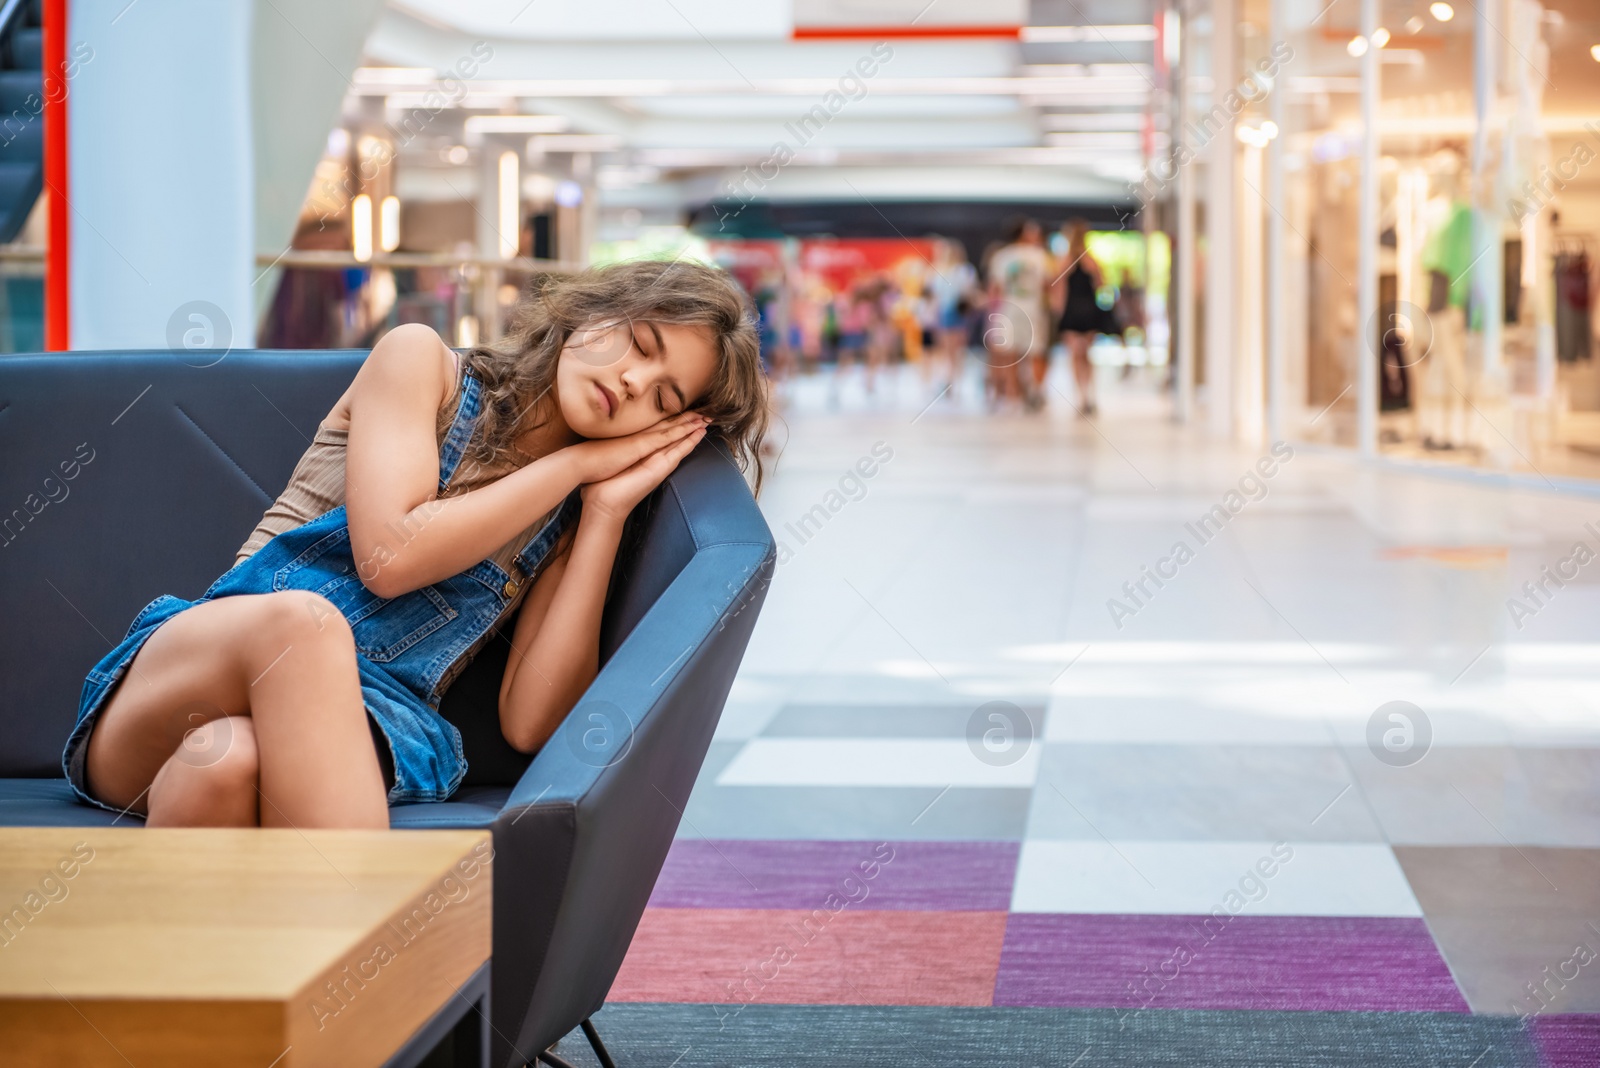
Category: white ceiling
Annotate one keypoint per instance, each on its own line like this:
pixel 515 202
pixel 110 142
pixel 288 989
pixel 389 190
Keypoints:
pixel 700 89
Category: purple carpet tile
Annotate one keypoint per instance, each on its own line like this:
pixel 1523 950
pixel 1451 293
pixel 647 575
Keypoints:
pixel 759 874
pixel 1246 962
pixel 1567 1041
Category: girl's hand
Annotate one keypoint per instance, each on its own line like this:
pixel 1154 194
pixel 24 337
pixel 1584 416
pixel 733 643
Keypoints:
pixel 602 458
pixel 616 496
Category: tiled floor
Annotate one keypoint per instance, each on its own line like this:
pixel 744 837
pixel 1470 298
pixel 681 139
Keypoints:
pixel 965 765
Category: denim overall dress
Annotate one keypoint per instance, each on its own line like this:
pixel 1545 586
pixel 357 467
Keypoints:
pixel 405 645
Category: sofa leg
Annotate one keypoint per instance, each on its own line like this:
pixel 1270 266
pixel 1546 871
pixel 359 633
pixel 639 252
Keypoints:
pixel 554 1060
pixel 599 1047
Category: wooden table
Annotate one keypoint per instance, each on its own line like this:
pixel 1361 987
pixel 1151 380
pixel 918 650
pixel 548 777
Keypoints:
pixel 251 948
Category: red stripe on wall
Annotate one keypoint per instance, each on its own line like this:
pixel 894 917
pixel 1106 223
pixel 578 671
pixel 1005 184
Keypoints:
pixel 813 33
pixel 56 278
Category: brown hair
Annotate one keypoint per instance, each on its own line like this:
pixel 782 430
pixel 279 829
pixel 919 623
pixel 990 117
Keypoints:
pixel 519 370
pixel 1077 238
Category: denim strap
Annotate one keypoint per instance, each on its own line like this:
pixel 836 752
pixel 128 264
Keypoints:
pixel 455 442
pixel 533 554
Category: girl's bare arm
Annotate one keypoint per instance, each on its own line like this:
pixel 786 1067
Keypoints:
pixel 402 535
pixel 556 645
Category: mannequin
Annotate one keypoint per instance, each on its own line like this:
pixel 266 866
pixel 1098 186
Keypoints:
pixel 1447 259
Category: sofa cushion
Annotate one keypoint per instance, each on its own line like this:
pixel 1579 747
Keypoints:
pixel 51 803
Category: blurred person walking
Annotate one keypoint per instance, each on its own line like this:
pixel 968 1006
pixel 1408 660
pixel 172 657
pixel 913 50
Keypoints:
pixel 1081 316
pixel 950 291
pixel 878 298
pixel 1018 326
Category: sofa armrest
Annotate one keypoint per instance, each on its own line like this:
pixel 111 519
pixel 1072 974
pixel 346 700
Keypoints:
pixel 584 834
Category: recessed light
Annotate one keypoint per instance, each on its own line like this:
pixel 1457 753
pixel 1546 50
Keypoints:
pixel 1357 46
pixel 1442 11
pixel 1380 36
pixel 1414 24
pixel 1594 50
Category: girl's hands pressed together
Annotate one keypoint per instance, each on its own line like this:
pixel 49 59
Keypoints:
pixel 616 496
pixel 599 459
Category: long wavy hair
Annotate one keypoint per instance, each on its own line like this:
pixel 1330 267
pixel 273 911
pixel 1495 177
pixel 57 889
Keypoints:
pixel 518 371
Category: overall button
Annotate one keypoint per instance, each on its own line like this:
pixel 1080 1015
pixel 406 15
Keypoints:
pixel 509 588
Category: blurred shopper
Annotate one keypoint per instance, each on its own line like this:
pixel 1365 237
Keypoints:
pixel 851 316
pixel 878 298
pixel 1018 329
pixel 950 293
pixel 1081 316
pixel 308 310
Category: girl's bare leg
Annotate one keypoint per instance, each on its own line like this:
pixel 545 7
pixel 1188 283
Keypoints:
pixel 212 779
pixel 1082 369
pixel 287 661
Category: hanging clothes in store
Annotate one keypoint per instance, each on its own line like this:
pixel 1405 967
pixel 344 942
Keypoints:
pixel 1574 305
pixel 1442 381
pixel 1448 250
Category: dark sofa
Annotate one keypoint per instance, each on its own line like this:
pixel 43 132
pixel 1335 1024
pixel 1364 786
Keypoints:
pixel 125 475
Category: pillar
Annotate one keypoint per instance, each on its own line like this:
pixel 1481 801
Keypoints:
pixel 1221 262
pixel 160 173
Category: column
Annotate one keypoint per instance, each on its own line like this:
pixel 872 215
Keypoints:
pixel 1367 245
pixel 1277 267
pixel 161 179
pixel 1221 264
pixel 1182 313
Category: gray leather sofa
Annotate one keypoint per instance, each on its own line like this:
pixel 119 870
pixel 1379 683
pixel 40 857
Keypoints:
pixel 125 475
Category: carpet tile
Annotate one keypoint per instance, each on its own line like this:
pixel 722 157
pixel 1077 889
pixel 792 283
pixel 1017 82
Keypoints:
pixel 812 956
pixel 914 875
pixel 1567 1041
pixel 861 812
pixel 848 762
pixel 824 1036
pixel 1316 963
pixel 1180 878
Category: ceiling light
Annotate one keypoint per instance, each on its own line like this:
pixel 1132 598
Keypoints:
pixel 457 154
pixel 516 124
pixel 1357 46
pixel 1594 50
pixel 389 223
pixel 1414 24
pixel 361 227
pixel 569 194
pixel 1269 129
pixel 1380 36
pixel 574 143
pixel 506 227
pixel 1442 11
pixel 384 76
pixel 1129 121
pixel 1080 34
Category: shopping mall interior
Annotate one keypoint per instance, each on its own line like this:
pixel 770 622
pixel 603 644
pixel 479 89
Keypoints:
pixel 1034 755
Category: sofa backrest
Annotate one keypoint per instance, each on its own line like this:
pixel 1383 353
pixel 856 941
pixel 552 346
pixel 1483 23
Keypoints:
pixel 123 476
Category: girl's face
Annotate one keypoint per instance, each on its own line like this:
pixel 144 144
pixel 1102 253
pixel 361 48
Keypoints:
pixel 616 379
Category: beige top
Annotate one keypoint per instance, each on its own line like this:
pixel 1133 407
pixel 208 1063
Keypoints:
pixel 317 484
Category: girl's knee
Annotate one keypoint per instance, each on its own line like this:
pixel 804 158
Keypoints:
pixel 227 744
pixel 211 779
pixel 301 616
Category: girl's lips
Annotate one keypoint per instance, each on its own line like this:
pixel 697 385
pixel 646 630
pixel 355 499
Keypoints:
pixel 607 398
